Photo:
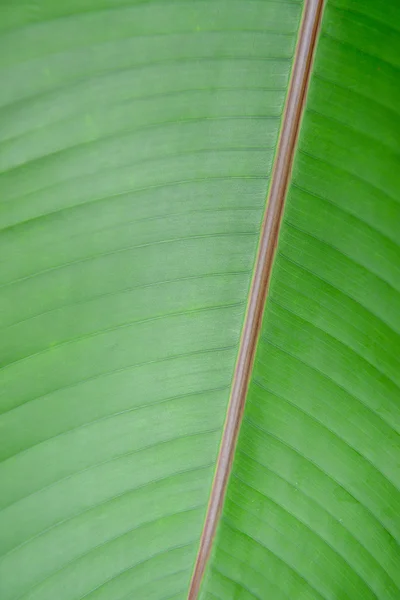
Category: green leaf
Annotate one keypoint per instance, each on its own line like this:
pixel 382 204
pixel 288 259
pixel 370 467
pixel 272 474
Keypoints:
pixel 313 503
pixel 137 146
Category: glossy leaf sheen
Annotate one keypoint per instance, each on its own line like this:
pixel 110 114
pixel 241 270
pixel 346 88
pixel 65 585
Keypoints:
pixel 137 142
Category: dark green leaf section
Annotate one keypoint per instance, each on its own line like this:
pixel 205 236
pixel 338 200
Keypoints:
pixel 313 504
pixel 136 143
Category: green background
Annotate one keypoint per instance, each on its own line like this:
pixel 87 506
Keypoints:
pixel 136 145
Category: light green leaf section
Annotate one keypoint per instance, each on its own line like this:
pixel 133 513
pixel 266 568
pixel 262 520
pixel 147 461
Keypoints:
pixel 313 504
pixel 136 143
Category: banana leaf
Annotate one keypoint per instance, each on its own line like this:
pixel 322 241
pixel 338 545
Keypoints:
pixel 139 144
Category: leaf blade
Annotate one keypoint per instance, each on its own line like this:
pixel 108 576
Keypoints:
pixel 136 147
pixel 316 480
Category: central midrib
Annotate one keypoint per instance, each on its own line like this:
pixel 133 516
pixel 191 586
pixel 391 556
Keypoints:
pixel 295 101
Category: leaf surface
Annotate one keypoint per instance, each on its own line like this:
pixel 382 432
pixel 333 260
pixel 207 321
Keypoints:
pixel 137 145
pixel 313 504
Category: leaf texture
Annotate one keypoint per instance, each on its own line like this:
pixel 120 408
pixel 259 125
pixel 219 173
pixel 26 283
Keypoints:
pixel 137 143
pixel 313 504
pixel 137 140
